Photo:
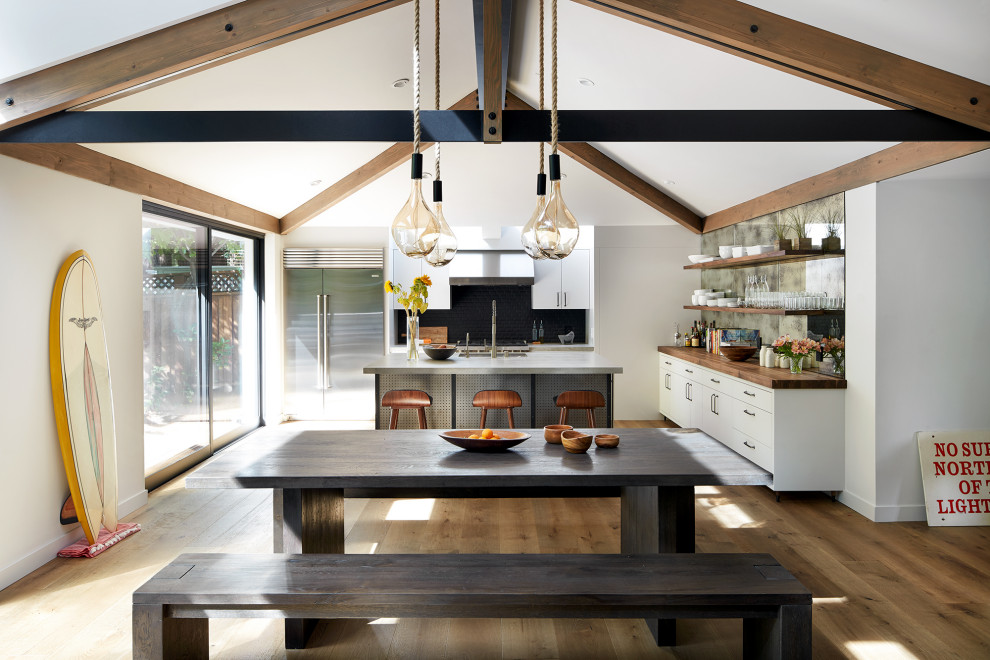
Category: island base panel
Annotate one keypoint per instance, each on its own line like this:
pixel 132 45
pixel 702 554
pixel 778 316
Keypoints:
pixel 452 395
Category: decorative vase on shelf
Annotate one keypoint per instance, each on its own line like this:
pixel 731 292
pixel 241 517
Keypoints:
pixel 796 365
pixel 782 244
pixel 802 243
pixel 412 337
pixel 831 244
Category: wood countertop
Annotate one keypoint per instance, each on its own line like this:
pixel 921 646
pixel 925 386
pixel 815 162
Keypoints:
pixel 751 371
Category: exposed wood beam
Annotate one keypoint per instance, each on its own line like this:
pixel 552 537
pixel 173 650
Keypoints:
pixel 812 53
pixel 604 166
pixel 492 26
pixel 231 31
pixel 378 166
pixel 894 161
pixel 94 166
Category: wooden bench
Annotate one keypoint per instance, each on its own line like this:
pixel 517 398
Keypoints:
pixel 172 610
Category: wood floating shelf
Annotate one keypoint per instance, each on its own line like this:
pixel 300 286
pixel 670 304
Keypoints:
pixel 775 311
pixel 767 258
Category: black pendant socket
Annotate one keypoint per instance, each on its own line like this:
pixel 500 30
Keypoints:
pixel 555 167
pixel 541 184
pixel 438 191
pixel 417 166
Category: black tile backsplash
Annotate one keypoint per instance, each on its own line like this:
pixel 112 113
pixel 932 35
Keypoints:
pixel 471 311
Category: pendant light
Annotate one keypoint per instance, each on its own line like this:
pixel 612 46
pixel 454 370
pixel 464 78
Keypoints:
pixel 446 246
pixel 557 229
pixel 529 240
pixel 415 229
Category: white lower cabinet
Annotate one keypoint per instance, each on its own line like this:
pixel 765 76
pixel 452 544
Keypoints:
pixel 797 434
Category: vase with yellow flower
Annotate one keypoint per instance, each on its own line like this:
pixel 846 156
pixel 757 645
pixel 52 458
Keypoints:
pixel 415 302
pixel 795 349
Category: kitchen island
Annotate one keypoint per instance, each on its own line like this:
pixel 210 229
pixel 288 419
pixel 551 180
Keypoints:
pixel 537 376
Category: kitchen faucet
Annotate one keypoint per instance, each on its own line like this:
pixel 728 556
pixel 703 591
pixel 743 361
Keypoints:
pixel 494 350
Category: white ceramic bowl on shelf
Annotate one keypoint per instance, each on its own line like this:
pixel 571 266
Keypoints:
pixel 738 251
pixel 758 249
pixel 725 251
pixel 701 258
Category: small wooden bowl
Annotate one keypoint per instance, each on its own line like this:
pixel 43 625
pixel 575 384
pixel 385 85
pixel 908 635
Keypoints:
pixel 737 353
pixel 552 432
pixel 607 440
pixel 576 442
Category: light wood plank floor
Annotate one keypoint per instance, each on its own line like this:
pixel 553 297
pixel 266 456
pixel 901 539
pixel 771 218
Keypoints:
pixel 896 590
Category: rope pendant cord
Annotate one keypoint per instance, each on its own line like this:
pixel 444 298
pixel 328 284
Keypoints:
pixel 416 126
pixel 554 127
pixel 542 82
pixel 436 79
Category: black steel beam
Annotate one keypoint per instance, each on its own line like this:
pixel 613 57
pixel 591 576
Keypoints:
pixel 519 126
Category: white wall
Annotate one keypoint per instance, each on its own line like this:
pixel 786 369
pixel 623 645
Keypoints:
pixel 861 336
pixel 45 216
pixel 641 288
pixel 933 310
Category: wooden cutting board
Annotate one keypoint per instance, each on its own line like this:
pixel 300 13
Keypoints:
pixel 436 334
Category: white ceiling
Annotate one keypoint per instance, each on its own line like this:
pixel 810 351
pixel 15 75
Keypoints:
pixel 634 67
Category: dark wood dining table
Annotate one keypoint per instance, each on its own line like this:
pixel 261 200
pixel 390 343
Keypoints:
pixel 653 471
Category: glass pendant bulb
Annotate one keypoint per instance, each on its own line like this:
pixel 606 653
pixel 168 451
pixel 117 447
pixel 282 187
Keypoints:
pixel 446 246
pixel 557 229
pixel 415 229
pixel 529 239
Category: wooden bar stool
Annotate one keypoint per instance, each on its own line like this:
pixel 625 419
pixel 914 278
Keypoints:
pixel 497 400
pixel 579 400
pixel 399 399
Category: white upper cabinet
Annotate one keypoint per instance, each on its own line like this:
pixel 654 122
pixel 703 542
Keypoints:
pixel 405 270
pixel 564 284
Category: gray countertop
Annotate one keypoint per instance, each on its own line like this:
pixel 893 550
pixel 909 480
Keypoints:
pixel 538 362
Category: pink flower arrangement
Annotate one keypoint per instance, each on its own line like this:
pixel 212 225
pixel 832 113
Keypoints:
pixel 833 347
pixel 794 348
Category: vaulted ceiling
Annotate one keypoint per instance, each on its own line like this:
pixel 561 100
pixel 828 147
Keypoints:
pixel 632 66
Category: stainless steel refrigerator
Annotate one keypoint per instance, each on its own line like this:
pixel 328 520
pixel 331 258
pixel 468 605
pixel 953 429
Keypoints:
pixel 334 327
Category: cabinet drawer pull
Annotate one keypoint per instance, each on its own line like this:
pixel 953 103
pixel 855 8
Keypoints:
pixel 714 381
pixel 749 413
pixel 749 445
pixel 667 363
pixel 689 371
pixel 748 393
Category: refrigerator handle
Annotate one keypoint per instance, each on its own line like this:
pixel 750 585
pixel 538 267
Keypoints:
pixel 319 341
pixel 326 341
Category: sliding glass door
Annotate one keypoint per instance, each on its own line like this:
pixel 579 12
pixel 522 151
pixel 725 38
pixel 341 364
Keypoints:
pixel 202 380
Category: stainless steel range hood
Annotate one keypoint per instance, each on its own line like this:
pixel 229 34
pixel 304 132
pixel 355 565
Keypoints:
pixel 492 268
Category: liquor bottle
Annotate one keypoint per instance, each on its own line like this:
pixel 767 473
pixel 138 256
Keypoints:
pixel 541 331
pixel 536 336
pixel 677 335
pixel 696 337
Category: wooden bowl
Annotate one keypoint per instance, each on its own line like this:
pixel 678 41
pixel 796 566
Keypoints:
pixel 737 353
pixel 552 432
pixel 607 440
pixel 576 442
pixel 506 439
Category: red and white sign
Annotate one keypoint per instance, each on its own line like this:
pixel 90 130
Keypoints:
pixel 955 470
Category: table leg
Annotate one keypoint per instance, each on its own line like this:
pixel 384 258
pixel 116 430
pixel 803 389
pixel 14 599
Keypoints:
pixel 653 520
pixel 307 520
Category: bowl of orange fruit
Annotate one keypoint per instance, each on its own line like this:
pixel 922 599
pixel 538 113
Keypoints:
pixel 484 439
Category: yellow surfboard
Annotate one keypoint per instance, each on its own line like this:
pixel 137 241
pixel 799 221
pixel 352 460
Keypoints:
pixel 81 394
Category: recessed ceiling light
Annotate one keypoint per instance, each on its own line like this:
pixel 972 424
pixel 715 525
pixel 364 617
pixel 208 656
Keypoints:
pixel 316 182
pixel 668 182
pixel 401 82
pixel 586 82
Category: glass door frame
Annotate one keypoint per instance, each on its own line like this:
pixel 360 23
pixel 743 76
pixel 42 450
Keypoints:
pixel 205 304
